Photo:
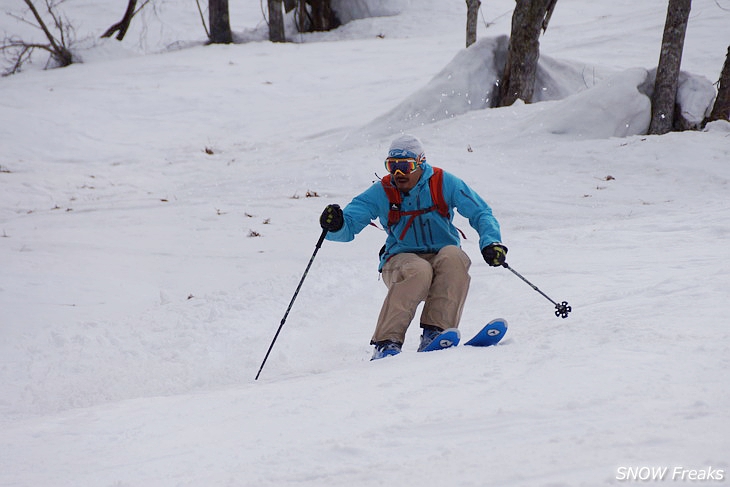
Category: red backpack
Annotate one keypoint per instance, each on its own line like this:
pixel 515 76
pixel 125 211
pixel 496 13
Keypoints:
pixel 435 184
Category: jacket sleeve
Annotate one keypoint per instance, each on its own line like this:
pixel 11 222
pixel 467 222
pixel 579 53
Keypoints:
pixel 363 209
pixel 471 206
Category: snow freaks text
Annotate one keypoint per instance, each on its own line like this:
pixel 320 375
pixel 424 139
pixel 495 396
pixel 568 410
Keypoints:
pixel 670 473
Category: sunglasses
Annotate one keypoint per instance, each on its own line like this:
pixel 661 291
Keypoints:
pixel 404 166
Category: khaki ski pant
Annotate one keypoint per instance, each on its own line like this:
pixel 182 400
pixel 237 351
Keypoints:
pixel 441 280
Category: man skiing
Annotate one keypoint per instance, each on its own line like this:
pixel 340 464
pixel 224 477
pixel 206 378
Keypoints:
pixel 422 260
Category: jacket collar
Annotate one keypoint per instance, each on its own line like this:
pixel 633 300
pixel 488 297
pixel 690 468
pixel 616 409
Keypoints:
pixel 427 173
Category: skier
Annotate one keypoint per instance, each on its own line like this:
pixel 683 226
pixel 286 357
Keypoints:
pixel 422 259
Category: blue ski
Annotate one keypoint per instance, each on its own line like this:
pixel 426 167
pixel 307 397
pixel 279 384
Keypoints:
pixel 491 334
pixel 446 339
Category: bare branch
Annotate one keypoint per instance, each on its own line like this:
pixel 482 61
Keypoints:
pixel 21 53
pixel 59 52
pixel 41 24
pixel 548 14
pixel 122 26
pixel 202 19
pixel 23 20
pixel 18 51
pixel 721 7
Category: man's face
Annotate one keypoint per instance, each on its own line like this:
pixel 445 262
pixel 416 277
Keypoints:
pixel 406 182
pixel 405 171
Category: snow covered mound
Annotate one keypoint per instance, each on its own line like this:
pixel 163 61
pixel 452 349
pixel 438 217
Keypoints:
pixel 598 105
pixel 349 10
pixel 612 108
pixel 465 84
pixel 468 83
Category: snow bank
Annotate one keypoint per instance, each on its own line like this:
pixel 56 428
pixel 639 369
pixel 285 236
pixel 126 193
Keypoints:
pixel 465 84
pixel 613 108
pixel 597 103
pixel 349 10
pixel 468 82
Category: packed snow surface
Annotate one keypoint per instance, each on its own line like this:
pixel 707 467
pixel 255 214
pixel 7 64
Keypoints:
pixel 159 203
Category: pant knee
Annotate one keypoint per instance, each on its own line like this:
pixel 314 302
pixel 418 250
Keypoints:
pixel 416 269
pixel 408 268
pixel 452 257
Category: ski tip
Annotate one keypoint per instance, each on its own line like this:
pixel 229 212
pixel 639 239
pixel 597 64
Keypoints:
pixel 490 335
pixel 498 320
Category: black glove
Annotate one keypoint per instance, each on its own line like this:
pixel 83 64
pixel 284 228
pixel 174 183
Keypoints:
pixel 332 219
pixel 495 254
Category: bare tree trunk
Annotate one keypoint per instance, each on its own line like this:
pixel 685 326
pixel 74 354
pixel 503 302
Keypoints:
pixel 220 23
pixel 276 22
pixel 319 15
pixel 323 18
pixel 472 16
pixel 518 80
pixel 302 16
pixel 667 75
pixel 290 5
pixel 122 26
pixel 721 109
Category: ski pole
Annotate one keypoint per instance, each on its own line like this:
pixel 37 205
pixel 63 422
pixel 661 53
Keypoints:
pixel 291 303
pixel 561 310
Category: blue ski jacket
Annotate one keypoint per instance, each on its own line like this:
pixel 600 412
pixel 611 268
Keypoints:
pixel 429 232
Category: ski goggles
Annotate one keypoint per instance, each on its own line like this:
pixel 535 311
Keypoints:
pixel 395 165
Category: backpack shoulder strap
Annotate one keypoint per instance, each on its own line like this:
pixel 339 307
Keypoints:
pixel 436 185
pixel 394 198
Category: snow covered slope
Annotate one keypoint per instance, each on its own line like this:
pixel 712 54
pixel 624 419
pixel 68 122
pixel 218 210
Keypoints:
pixel 157 210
